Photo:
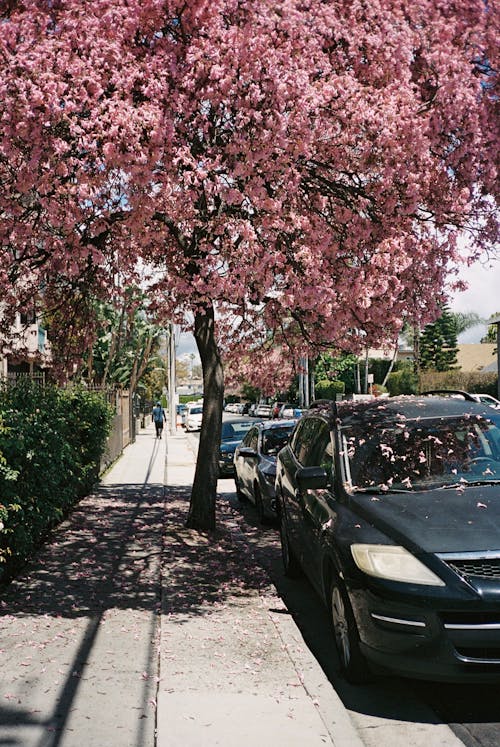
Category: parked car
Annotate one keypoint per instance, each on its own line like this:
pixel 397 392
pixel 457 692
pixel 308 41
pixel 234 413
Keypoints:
pixel 262 410
pixel 392 509
pixel 187 405
pixel 487 399
pixel 194 416
pixel 179 411
pixel 288 410
pixel 233 432
pixel 255 464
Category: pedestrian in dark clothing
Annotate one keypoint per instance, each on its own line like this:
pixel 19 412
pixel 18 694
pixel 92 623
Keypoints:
pixel 158 417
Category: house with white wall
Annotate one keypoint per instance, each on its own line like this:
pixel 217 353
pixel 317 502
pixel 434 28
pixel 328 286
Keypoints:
pixel 28 349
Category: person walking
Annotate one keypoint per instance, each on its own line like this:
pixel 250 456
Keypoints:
pixel 158 417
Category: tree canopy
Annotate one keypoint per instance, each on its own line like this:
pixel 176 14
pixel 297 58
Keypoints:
pixel 289 174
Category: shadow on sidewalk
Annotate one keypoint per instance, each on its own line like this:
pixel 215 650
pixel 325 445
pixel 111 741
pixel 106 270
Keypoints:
pixel 106 554
pixel 124 548
pixel 203 571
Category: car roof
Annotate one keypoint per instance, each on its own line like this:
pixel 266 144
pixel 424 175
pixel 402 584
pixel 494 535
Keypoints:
pixel 276 424
pixel 409 407
pixel 241 420
pixel 432 406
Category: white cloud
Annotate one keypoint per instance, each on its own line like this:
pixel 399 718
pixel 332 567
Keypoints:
pixel 481 297
pixel 483 293
pixel 185 344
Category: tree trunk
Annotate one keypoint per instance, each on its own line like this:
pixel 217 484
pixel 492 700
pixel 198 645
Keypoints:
pixel 393 361
pixel 202 507
pixel 113 346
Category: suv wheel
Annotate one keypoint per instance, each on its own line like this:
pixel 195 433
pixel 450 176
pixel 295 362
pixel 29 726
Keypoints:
pixel 290 562
pixel 352 662
pixel 259 505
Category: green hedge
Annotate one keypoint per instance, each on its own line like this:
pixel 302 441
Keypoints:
pixel 474 382
pixel 51 442
pixel 328 389
pixel 403 381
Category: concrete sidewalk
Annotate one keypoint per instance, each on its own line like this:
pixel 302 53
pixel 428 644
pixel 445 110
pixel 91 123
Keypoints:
pixel 130 630
pixel 234 669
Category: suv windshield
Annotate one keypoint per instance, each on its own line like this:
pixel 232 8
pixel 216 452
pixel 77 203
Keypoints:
pixel 421 454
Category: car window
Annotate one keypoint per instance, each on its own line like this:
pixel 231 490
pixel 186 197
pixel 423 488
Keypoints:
pixel 326 457
pixel 227 433
pixel 296 437
pixel 425 453
pixel 251 438
pixel 321 453
pixel 234 431
pixel 310 441
pixel 273 439
pixel 299 440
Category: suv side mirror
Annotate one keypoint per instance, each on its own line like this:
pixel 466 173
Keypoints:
pixel 311 478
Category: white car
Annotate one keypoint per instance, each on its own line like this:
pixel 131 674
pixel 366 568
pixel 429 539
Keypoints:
pixel 194 415
pixel 487 399
pixel 262 410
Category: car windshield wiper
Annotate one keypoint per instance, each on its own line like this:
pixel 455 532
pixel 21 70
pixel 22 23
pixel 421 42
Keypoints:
pixel 379 490
pixel 469 483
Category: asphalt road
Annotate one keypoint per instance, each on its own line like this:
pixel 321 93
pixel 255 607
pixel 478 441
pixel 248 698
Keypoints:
pixel 390 711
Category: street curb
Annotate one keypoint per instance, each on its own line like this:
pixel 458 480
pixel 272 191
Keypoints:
pixel 330 707
pixel 318 688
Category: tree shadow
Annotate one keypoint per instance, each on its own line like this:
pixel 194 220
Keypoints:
pixel 105 555
pixel 126 547
pixel 203 570
pixel 117 545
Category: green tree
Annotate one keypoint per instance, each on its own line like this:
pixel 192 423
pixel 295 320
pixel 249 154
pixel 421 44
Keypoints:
pixel 127 345
pixel 438 343
pixel 465 320
pixel 338 368
pixel 327 389
pixel 403 380
pixel 250 393
pixel 491 334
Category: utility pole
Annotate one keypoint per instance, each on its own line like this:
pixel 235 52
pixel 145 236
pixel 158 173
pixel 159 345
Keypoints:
pixel 172 384
pixel 304 389
pixel 307 390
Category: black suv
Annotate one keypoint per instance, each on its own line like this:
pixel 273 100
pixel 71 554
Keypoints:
pixel 392 509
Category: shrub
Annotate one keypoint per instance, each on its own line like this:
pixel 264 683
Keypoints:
pixel 403 381
pixel 466 381
pixel 326 389
pixel 51 441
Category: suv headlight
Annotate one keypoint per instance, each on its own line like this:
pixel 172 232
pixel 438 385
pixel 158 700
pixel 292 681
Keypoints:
pixel 394 563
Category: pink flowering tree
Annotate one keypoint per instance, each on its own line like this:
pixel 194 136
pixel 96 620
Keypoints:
pixel 287 175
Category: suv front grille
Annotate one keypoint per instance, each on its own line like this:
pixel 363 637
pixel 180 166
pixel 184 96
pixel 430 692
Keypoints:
pixel 484 564
pixel 480 568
